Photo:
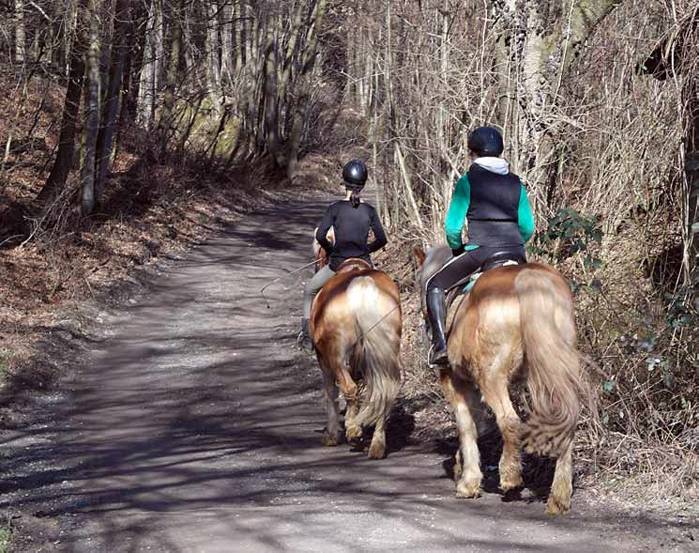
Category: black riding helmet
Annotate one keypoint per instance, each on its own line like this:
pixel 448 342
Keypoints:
pixel 486 141
pixel 355 173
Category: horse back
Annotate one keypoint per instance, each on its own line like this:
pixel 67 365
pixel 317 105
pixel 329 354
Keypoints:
pixel 335 290
pixel 334 308
pixel 499 283
pixel 491 312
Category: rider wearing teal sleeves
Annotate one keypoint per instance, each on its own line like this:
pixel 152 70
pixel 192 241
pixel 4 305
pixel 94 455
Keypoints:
pixel 458 208
pixel 494 204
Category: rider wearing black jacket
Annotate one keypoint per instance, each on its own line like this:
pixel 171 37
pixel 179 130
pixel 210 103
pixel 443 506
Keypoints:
pixel 351 220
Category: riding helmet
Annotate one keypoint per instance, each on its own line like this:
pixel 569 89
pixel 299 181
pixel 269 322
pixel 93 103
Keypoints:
pixel 486 141
pixel 355 173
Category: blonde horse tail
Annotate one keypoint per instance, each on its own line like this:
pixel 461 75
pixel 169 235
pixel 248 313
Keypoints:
pixel 377 317
pixel 554 377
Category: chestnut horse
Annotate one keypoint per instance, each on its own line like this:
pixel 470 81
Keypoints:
pixel 516 322
pixel 356 329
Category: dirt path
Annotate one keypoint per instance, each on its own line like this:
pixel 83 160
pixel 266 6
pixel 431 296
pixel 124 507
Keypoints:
pixel 195 426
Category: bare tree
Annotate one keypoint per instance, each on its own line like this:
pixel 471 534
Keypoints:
pixel 63 162
pixel 148 85
pixel 119 50
pixel 88 194
pixel 20 34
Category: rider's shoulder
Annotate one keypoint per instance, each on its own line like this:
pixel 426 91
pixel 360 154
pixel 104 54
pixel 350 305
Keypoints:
pixel 519 179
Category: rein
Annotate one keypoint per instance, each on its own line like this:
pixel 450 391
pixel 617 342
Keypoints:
pixel 274 281
pixel 305 266
pixel 377 323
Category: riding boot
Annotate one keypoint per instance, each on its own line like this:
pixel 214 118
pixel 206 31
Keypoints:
pixel 436 314
pixel 304 340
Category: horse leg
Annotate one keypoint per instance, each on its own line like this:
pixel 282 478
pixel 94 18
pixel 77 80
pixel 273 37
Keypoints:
pixel 349 389
pixel 449 393
pixel 332 433
pixel 377 449
pixel 497 396
pixel 468 479
pixel 562 487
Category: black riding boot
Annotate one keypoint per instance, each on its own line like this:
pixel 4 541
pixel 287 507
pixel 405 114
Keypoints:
pixel 304 340
pixel 436 314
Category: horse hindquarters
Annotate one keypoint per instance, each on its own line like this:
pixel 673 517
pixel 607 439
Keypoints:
pixel 378 325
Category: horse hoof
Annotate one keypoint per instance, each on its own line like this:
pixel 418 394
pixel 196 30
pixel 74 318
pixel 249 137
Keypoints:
pixel 353 432
pixel 512 494
pixel 377 451
pixel 511 484
pixel 555 506
pixel 330 440
pixel 468 490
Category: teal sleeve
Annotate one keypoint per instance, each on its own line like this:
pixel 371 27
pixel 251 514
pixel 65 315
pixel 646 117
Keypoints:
pixel 458 208
pixel 525 217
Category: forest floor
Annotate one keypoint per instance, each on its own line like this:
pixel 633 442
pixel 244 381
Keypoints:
pixel 186 420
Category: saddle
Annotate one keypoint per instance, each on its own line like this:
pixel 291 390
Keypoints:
pixel 463 287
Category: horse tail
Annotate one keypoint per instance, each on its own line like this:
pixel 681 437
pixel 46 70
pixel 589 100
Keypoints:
pixel 377 319
pixel 554 377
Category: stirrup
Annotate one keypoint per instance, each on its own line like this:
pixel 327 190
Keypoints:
pixel 305 343
pixel 440 362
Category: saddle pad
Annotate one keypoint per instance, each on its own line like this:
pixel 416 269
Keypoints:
pixel 470 283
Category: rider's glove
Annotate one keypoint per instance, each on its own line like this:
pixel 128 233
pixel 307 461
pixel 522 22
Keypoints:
pixel 458 251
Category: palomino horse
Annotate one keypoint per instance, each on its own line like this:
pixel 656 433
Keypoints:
pixel 356 328
pixel 517 321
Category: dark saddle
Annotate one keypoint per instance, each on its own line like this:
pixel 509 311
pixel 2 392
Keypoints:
pixel 498 259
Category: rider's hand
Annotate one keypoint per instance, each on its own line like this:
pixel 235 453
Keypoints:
pixel 458 251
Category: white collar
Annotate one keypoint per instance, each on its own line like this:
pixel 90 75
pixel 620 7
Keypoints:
pixel 495 165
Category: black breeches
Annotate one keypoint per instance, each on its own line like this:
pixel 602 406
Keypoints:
pixel 458 268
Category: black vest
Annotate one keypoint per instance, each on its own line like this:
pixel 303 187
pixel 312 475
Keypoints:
pixel 492 213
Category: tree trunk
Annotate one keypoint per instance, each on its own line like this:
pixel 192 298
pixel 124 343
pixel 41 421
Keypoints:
pixel 270 122
pixel 69 34
pixel 227 32
pixel 145 112
pixel 20 34
pixel 166 125
pixel 88 194
pixel 213 64
pixel 105 140
pixel 238 26
pixel 692 176
pixel 249 31
pixel 187 40
pixel 71 108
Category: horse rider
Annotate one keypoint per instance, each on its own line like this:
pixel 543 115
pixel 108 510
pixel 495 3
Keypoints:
pixel 493 202
pixel 351 220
